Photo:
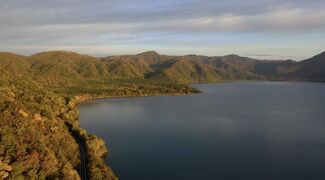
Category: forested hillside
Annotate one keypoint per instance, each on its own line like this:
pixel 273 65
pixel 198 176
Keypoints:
pixel 62 67
pixel 39 95
pixel 38 114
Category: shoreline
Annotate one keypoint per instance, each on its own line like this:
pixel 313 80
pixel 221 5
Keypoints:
pixel 81 100
pixel 87 98
pixel 83 134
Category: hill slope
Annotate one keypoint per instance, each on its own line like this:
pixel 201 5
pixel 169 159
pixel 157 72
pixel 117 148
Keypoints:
pixel 69 67
pixel 312 69
pixel 39 117
pixel 39 94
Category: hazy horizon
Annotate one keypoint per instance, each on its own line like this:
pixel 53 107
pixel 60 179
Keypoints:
pixel 278 30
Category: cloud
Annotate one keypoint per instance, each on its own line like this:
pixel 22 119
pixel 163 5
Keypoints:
pixel 113 23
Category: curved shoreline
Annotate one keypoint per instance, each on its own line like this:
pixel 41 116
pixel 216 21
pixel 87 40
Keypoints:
pixel 83 134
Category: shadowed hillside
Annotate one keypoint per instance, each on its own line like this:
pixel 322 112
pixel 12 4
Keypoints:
pixel 312 69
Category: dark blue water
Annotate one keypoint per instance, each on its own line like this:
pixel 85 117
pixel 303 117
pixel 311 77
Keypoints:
pixel 240 130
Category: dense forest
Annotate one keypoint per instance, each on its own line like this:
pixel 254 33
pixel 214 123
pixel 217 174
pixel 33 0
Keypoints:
pixel 39 95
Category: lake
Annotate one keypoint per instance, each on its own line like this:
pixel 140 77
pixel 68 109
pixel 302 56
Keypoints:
pixel 236 130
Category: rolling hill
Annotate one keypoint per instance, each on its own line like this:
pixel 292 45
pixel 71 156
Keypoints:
pixel 69 67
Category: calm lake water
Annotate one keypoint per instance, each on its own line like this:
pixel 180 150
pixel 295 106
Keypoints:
pixel 238 130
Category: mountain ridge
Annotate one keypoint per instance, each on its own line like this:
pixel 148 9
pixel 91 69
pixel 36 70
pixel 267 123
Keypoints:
pixel 66 66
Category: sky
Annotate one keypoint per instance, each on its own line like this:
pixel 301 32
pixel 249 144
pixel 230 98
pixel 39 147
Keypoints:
pixel 264 29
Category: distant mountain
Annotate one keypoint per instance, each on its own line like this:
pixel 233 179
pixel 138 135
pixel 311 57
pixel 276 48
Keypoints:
pixel 312 69
pixel 68 67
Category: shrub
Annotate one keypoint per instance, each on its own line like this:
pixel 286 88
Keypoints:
pixel 47 113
